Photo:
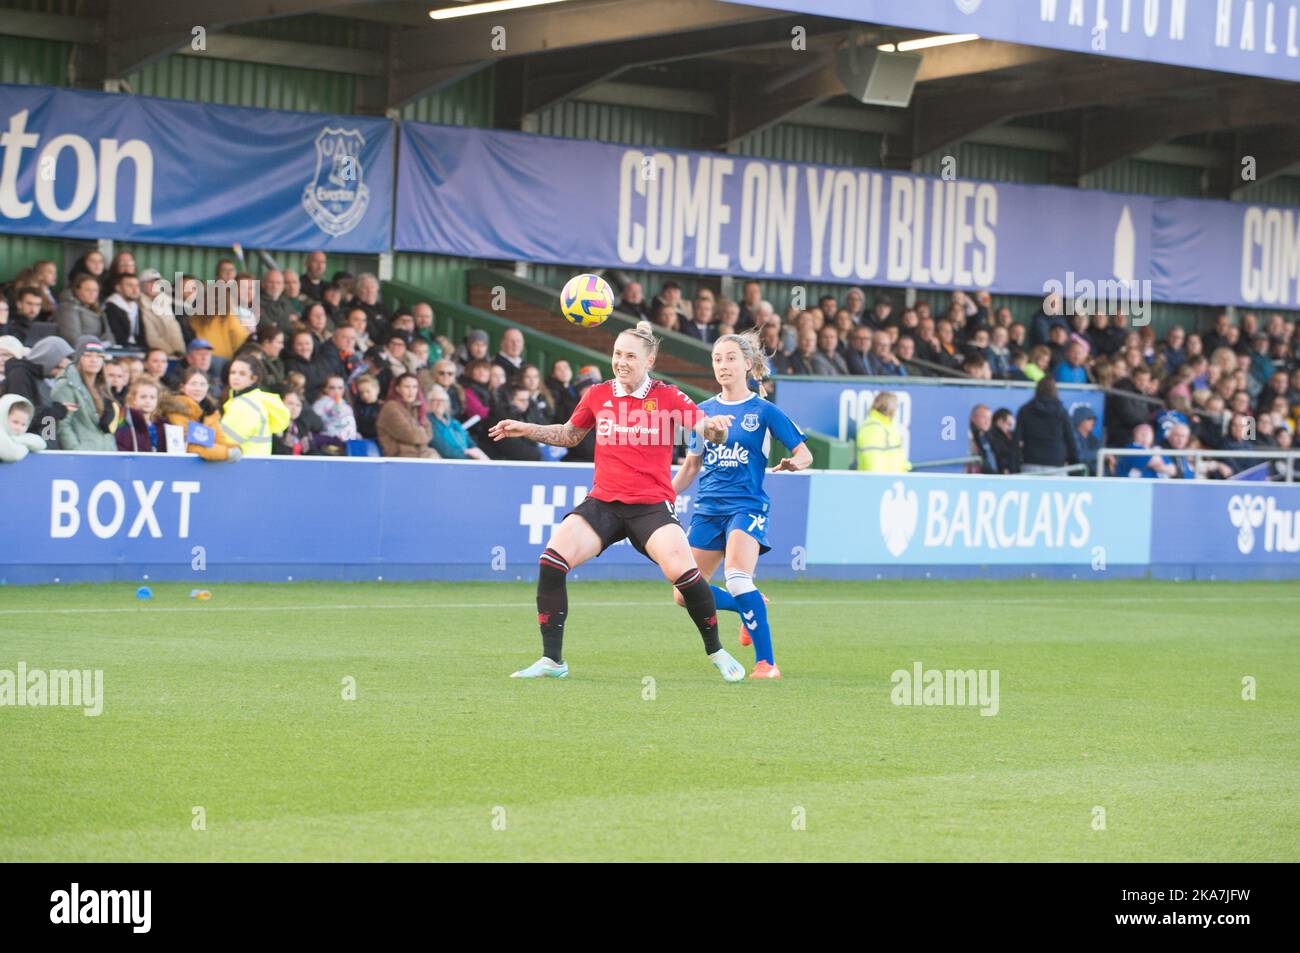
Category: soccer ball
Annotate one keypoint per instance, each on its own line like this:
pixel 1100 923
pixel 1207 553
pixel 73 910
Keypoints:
pixel 586 300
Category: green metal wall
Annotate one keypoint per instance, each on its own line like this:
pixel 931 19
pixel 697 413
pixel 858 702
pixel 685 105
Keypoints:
pixel 626 124
pixel 229 83
pixel 791 143
pixel 34 62
pixel 973 160
pixel 1146 178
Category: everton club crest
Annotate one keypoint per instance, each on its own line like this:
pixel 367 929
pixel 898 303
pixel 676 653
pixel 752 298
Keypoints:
pixel 337 196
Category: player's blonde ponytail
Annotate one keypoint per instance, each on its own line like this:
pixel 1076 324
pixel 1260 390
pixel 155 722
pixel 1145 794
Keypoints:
pixel 645 333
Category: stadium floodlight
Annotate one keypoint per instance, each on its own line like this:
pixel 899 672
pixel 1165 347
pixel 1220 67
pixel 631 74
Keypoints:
pixel 925 42
pixel 495 6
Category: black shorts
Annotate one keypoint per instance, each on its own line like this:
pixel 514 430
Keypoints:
pixel 635 521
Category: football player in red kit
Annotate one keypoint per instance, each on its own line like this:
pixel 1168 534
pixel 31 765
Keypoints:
pixel 636 418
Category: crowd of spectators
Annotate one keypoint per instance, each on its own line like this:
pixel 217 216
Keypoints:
pixel 287 363
pixel 1231 386
pixel 109 356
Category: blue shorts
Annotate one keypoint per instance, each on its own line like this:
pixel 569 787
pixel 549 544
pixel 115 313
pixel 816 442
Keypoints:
pixel 711 532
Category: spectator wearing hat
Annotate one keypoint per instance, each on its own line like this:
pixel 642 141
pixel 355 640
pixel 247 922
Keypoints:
pixel 92 414
pixel 198 353
pixel 81 315
pixel 159 327
pixel 1043 431
pixel 1087 442
pixel 10 349
pixel 32 376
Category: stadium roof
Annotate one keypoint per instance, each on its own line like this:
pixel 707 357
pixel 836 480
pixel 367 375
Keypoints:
pixel 736 63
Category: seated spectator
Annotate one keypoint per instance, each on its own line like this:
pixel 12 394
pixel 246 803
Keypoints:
pixel 563 390
pixel 403 425
pixel 474 347
pixel 122 310
pixel 304 359
pixel 1071 370
pixel 666 317
pixel 750 297
pixel 156 363
pixel 293 296
pixel 367 406
pixel 1087 443
pixel 26 311
pixel 1002 437
pixel 1179 437
pixel 339 355
pixel 396 354
pixel 117 374
pixel 879 439
pixel 702 325
pixel 305 434
pixel 32 378
pixel 515 404
pixel 225 333
pixel 999 352
pixel 1238 428
pixel 424 330
pixel 540 402
pixel 251 416
pixel 81 388
pixel 198 354
pixel 975 367
pixel 1035 368
pixel 81 316
pixel 275 306
pixel 317 322
pixel 267 343
pixel 881 362
pixel 497 381
pixel 313 278
pixel 828 359
pixel 450 438
pixel 632 301
pixel 418 349
pixel 1043 431
pixel 670 293
pixel 1123 413
pixel 15 419
pixel 828 306
pixel 858 357
pixel 366 295
pixel 511 356
pixel 801 360
pixel 1144 467
pixel 142 429
pixel 199 418
pixel 981 422
pixel 334 411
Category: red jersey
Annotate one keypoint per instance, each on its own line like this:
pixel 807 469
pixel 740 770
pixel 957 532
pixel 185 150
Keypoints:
pixel 634 438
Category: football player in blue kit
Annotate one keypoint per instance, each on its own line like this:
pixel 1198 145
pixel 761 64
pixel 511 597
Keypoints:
pixel 731 510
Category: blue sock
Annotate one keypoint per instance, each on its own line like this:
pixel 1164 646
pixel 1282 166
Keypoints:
pixel 753 613
pixel 724 599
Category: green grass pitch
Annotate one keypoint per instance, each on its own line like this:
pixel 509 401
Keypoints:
pixel 1125 696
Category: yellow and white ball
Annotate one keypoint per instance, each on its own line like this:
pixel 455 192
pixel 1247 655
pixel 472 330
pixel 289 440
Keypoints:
pixel 587 300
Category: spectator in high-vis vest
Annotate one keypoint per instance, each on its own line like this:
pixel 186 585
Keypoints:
pixel 880 441
pixel 251 416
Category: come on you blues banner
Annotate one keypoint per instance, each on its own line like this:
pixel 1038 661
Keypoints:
pixel 1252 37
pixel 99 165
pixel 490 194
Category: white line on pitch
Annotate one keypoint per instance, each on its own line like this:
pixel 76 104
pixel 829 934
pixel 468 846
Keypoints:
pixel 1056 603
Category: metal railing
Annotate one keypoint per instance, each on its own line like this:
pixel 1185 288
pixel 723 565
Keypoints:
pixel 1290 456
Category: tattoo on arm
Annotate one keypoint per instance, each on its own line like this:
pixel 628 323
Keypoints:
pixel 557 435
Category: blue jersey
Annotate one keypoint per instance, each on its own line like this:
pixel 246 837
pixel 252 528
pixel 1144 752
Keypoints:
pixel 731 476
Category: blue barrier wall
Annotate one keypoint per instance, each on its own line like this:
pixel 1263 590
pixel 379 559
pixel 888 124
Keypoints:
pixel 934 418
pixel 71 517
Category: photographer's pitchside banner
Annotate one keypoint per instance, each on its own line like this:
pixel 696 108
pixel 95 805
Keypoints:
pixel 489 194
pixel 100 165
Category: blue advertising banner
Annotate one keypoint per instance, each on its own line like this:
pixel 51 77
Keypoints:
pixel 99 165
pixel 489 194
pixel 99 517
pixel 1229 529
pixel 933 418
pixel 927 519
pixel 1252 37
